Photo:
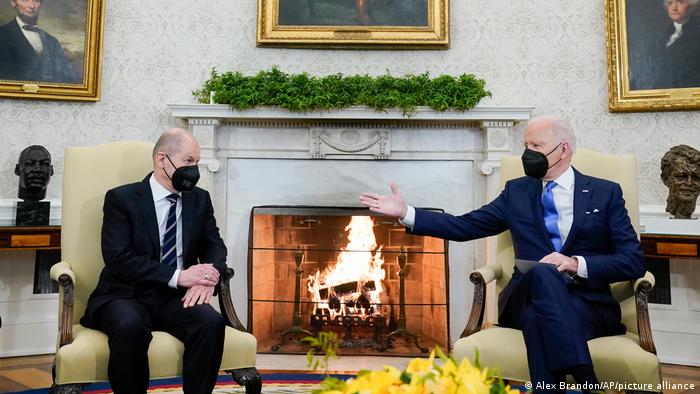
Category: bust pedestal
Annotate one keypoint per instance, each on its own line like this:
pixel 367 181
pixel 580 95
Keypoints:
pixel 32 213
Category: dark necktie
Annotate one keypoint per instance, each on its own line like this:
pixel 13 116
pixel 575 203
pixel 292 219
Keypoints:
pixel 551 217
pixel 31 28
pixel 168 253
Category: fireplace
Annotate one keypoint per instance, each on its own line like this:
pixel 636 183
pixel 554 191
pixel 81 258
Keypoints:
pixel 270 156
pixel 349 271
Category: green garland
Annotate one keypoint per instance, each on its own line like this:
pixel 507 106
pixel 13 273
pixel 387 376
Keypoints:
pixel 301 92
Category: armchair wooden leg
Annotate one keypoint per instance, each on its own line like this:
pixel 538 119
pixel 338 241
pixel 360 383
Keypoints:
pixel 75 388
pixel 248 377
pixel 67 388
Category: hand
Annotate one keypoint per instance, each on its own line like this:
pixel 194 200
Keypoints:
pixel 197 295
pixel 391 205
pixel 198 274
pixel 563 263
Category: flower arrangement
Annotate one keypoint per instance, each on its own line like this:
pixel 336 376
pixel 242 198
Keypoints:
pixel 437 374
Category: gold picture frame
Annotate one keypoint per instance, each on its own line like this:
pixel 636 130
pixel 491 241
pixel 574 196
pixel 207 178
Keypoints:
pixel 414 24
pixel 648 70
pixel 52 52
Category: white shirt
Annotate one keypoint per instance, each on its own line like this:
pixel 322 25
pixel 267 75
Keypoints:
pixel 32 36
pixel 676 34
pixel 563 200
pixel 162 206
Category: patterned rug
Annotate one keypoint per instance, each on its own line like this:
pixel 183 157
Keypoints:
pixel 273 383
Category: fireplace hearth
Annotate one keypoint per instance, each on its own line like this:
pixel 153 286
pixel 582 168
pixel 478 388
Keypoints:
pixel 349 271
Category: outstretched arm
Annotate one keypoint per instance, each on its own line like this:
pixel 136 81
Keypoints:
pixel 485 221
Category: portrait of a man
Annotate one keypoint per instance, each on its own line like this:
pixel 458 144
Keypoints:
pixel 353 12
pixel 663 44
pixel 42 41
pixel 680 172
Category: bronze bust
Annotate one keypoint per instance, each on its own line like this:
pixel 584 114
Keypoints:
pixel 680 172
pixel 34 170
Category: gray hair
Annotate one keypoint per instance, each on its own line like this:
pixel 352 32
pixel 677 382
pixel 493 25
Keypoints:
pixel 692 3
pixel 560 127
pixel 170 142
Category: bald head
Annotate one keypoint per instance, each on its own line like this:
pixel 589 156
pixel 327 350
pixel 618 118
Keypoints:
pixel 172 141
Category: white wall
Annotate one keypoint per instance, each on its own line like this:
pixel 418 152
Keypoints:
pixel 540 53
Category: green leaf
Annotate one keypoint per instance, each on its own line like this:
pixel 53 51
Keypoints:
pixel 302 92
pixel 405 377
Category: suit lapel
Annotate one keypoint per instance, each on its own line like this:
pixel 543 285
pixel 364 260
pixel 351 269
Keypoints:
pixel 26 49
pixel 187 213
pixel 144 201
pixel 582 196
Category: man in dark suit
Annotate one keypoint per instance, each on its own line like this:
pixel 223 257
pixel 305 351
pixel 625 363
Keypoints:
pixel 678 56
pixel 163 258
pixel 575 225
pixel 28 53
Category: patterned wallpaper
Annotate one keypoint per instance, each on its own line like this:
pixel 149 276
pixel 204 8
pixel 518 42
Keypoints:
pixel 550 55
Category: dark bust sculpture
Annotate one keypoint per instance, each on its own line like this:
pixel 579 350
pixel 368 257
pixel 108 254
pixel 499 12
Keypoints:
pixel 34 169
pixel 680 172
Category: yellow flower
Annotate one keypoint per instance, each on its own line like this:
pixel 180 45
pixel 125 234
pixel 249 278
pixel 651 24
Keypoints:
pixel 424 376
pixel 421 365
pixel 374 382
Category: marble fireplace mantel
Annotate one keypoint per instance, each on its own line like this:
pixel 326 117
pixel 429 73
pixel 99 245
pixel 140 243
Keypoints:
pixel 205 121
pixel 270 156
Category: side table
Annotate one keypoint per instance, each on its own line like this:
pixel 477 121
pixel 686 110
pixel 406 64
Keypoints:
pixel 45 241
pixel 670 246
pixel 658 249
pixel 30 238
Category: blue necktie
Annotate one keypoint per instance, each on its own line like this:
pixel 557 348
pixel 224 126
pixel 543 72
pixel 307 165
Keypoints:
pixel 168 253
pixel 551 217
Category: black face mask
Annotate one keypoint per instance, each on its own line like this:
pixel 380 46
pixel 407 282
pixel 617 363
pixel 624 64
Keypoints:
pixel 535 163
pixel 184 178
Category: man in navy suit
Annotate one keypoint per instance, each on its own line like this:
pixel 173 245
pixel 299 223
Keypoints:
pixel 28 53
pixel 163 258
pixel 575 225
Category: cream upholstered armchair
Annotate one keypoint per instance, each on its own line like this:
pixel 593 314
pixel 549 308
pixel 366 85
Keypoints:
pixel 82 354
pixel 628 358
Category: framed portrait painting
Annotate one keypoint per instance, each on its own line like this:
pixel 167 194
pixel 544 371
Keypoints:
pixel 51 49
pixel 653 49
pixel 411 24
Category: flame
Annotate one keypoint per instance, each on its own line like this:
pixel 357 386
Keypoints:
pixel 356 263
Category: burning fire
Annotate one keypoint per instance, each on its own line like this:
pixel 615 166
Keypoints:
pixel 352 286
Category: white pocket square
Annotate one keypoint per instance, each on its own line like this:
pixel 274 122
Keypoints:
pixel 594 211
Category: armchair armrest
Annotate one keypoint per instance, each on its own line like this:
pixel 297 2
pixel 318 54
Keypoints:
pixel 642 288
pixel 62 273
pixel 226 302
pixel 480 278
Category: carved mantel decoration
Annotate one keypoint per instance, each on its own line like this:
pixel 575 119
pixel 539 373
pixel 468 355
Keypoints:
pixel 350 133
pixel 348 143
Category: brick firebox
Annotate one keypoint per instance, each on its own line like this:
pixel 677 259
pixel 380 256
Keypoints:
pixel 312 238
